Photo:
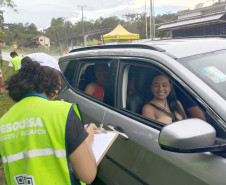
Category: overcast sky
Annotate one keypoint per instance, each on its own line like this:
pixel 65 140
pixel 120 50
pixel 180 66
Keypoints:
pixel 40 12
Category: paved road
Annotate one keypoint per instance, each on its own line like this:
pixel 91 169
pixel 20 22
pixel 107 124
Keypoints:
pixel 6 56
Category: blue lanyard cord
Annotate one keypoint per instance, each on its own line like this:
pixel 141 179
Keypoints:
pixel 35 94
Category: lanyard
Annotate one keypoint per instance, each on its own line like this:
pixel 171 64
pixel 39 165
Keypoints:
pixel 35 94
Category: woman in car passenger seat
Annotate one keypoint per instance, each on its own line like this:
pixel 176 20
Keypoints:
pixel 97 88
pixel 164 107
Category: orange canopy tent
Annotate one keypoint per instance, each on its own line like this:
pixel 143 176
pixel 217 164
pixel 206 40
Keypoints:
pixel 119 33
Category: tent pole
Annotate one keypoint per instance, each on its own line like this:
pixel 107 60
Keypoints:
pixel 103 40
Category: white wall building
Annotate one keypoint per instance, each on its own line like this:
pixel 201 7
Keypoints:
pixel 42 41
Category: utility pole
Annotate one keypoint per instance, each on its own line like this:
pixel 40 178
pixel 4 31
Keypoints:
pixel 146 21
pixel 65 21
pixel 83 31
pixel 44 39
pixel 153 18
pixel 151 21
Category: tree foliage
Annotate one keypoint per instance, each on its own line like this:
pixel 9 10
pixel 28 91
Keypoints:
pixel 19 33
pixel 4 3
pixel 8 3
pixel 2 35
pixel 64 32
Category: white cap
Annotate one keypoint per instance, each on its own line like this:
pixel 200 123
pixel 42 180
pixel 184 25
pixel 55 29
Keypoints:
pixel 45 60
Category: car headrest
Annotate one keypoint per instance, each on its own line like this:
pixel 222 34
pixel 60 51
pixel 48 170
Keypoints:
pixel 142 81
pixel 90 73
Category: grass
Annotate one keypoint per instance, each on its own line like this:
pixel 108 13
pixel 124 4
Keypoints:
pixel 5 101
pixel 5 104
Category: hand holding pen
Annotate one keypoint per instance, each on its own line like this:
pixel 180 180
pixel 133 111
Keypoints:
pixel 92 129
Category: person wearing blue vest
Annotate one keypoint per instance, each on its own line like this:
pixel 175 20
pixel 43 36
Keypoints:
pixel 14 63
pixel 44 142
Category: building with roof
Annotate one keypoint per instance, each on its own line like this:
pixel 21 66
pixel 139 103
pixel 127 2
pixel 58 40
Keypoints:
pixel 41 41
pixel 209 20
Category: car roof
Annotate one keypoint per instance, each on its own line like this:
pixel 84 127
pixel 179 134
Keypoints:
pixel 181 48
pixel 176 48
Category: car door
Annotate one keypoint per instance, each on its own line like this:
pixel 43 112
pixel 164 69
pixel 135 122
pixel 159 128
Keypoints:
pixel 135 157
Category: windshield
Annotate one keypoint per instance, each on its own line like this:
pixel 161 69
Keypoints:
pixel 211 68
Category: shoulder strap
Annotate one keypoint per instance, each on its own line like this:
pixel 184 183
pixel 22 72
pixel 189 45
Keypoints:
pixel 169 114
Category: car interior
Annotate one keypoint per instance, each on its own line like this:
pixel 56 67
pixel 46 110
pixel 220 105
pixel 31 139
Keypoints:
pixel 87 75
pixel 135 91
pixel 138 88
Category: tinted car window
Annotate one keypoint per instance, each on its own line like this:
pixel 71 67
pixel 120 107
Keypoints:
pixel 69 72
pixel 211 69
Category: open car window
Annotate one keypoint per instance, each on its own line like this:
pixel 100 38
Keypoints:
pixel 136 92
pixel 92 77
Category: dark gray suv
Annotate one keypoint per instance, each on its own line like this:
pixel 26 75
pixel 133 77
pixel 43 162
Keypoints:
pixel 186 152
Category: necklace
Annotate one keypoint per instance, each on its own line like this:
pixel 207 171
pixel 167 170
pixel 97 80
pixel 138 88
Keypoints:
pixel 164 107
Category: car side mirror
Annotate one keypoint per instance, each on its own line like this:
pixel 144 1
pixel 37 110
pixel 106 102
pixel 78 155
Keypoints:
pixel 188 136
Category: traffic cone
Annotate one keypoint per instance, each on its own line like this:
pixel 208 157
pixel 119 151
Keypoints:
pixel 2 89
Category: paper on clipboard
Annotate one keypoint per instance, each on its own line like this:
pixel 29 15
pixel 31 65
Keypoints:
pixel 102 143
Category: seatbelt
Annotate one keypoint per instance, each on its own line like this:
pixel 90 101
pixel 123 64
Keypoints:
pixel 174 118
pixel 99 84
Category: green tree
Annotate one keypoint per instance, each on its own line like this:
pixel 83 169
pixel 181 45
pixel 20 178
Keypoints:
pixel 135 23
pixel 4 3
pixel 2 35
pixel 110 22
pixel 8 3
pixel 56 31
pixel 1 20
pixel 97 23
pixel 160 19
pixel 31 28
pixel 19 33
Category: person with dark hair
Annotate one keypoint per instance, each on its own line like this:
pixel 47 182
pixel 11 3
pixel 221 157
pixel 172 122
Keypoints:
pixel 164 107
pixel 15 62
pixel 44 141
pixel 97 88
pixel 192 110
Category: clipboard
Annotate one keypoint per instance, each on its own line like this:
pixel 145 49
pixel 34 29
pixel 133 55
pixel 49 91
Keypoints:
pixel 101 144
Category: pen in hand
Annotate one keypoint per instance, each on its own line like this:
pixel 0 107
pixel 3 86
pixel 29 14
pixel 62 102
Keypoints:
pixel 88 125
pixel 92 128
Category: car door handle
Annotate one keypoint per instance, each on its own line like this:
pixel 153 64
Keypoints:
pixel 118 129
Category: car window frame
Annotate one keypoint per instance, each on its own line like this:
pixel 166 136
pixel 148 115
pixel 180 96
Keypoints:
pixel 175 80
pixel 77 71
pixel 73 69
